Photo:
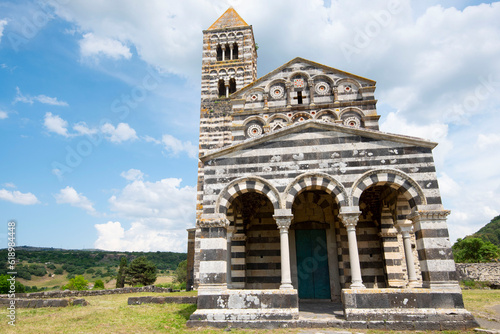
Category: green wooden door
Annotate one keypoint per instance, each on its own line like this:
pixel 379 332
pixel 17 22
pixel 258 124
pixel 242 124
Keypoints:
pixel 312 264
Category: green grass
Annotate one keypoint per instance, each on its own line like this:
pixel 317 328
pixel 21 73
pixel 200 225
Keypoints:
pixel 111 314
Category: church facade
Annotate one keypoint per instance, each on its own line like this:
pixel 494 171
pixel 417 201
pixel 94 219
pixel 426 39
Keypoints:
pixel 301 197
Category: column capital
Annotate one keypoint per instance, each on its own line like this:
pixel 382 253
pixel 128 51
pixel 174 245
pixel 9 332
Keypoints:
pixel 283 218
pixel 213 220
pixel 350 217
pixel 405 228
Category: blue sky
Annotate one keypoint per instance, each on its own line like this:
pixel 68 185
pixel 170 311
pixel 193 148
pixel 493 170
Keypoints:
pixel 99 105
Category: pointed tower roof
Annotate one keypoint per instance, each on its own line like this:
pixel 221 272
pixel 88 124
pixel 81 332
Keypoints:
pixel 229 19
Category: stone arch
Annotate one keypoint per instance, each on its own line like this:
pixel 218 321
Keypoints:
pixel 244 185
pixel 254 118
pixel 324 77
pixel 315 181
pixel 301 116
pixel 355 110
pixel 282 116
pixel 396 179
pixel 324 112
pixel 296 73
pixel 274 82
pixel 348 80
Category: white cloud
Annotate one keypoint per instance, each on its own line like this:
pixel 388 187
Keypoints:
pixel 91 46
pixel 18 197
pixel 177 146
pixel 139 237
pixel 3 114
pixel 486 140
pixel 133 175
pixel 3 23
pixel 122 132
pixel 53 101
pixel 159 213
pixel 82 129
pixel 9 185
pixel 56 124
pixel 70 196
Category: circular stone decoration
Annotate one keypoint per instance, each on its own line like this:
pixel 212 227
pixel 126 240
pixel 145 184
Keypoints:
pixel 352 121
pixel 277 92
pixel 322 88
pixel 254 130
pixel 254 97
pixel 347 88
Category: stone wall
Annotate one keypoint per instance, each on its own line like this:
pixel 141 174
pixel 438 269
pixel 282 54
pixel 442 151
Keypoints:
pixel 37 303
pixel 479 272
pixel 83 293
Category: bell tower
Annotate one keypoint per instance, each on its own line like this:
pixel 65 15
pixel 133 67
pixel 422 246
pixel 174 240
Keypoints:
pixel 229 57
pixel 229 63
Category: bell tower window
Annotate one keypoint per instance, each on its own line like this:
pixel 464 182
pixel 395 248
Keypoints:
pixel 219 53
pixel 227 53
pixel 235 51
pixel 222 88
pixel 232 86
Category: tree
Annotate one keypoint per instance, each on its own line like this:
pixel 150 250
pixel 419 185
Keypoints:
pixel 141 271
pixel 5 284
pixel 474 250
pixel 77 283
pixel 58 271
pixel 98 285
pixel 181 272
pixel 122 272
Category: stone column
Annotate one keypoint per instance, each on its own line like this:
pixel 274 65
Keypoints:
pixel 231 54
pixel 434 247
pixel 266 98
pixel 229 239
pixel 288 86
pixel 335 95
pixel 283 220
pixel 350 220
pixel 213 252
pixel 405 230
pixel 223 53
pixel 311 92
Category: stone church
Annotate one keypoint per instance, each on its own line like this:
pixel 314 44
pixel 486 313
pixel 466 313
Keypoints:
pixel 302 198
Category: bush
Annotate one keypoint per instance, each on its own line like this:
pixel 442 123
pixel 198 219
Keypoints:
pixel 90 271
pixel 51 266
pixel 474 250
pixel 37 270
pixel 99 285
pixel 58 271
pixel 77 283
pixel 70 276
pixel 5 285
pixel 181 272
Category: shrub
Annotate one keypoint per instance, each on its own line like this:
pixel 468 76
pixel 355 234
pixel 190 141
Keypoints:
pixel 98 285
pixel 51 266
pixel 90 271
pixel 77 283
pixel 5 285
pixel 58 271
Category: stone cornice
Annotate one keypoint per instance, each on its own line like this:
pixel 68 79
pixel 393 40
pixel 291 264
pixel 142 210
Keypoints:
pixel 428 215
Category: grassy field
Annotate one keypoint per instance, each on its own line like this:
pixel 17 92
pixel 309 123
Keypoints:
pixel 111 314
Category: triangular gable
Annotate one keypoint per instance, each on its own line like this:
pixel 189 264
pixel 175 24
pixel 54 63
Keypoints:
pixel 300 60
pixel 301 126
pixel 229 19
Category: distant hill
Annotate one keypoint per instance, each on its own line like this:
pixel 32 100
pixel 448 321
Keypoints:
pixel 490 232
pixel 40 261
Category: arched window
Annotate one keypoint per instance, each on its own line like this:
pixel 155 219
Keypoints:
pixel 232 86
pixel 222 88
pixel 219 53
pixel 228 52
pixel 235 51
